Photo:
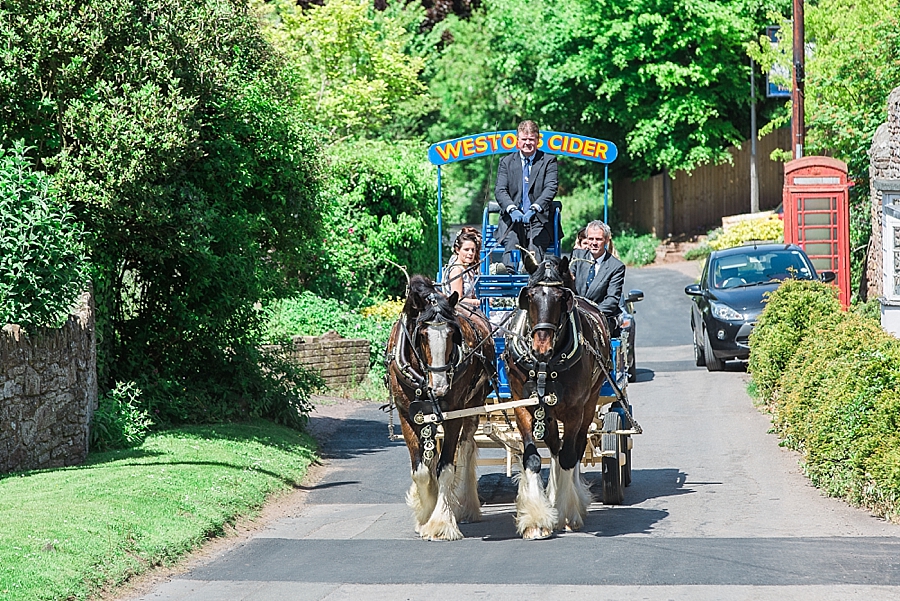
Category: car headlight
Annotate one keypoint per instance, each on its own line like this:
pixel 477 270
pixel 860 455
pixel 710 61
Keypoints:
pixel 724 312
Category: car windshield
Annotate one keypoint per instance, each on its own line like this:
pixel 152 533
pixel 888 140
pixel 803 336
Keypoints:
pixel 758 267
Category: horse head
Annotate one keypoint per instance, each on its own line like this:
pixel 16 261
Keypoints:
pixel 437 336
pixel 548 300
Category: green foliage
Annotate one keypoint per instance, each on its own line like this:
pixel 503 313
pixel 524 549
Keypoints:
pixel 854 66
pixel 381 207
pixel 172 133
pixel 769 229
pixel 699 252
pixel 634 249
pixel 43 267
pixel 119 422
pixel 311 315
pixel 349 69
pixel 790 312
pixel 840 408
pixel 76 533
pixel 667 77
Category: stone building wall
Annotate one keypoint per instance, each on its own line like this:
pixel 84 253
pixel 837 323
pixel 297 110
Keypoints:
pixel 341 362
pixel 48 393
pixel 884 157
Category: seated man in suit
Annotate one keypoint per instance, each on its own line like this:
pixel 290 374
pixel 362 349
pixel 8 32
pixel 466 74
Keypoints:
pixel 526 186
pixel 599 276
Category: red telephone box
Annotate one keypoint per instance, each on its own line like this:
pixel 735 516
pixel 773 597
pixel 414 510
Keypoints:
pixel 817 215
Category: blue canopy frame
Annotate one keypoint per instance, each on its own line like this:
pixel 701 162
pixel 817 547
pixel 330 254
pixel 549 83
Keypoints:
pixel 501 142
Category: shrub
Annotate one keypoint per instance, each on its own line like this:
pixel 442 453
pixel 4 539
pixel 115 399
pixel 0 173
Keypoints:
pixel 381 207
pixel 789 312
pixel 767 229
pixel 634 249
pixel 119 421
pixel 700 252
pixel 840 407
pixel 43 267
pixel 311 315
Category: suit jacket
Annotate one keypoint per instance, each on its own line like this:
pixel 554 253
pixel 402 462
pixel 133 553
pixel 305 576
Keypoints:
pixel 606 288
pixel 541 189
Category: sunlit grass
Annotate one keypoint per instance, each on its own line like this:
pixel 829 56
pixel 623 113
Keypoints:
pixel 67 532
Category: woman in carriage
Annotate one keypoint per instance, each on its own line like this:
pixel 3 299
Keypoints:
pixel 462 269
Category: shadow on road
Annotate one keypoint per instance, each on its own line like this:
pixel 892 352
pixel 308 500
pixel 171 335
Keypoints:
pixel 355 437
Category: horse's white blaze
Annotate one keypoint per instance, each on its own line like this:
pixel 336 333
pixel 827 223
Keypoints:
pixel 468 507
pixel 534 513
pixel 437 342
pixel 569 494
pixel 442 523
pixel 421 497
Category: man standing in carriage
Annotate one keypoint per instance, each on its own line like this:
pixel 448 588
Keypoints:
pixel 526 186
pixel 599 276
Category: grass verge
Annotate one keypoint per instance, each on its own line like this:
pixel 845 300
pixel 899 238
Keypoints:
pixel 69 532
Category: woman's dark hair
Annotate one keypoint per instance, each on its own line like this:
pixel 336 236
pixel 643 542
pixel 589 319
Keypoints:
pixel 582 234
pixel 467 234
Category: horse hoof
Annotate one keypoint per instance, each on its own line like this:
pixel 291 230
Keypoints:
pixel 536 533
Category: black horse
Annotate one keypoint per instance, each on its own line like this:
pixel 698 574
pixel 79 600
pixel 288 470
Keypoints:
pixel 440 360
pixel 555 358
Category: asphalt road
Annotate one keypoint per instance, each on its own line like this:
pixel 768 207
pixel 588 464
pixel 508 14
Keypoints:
pixel 716 510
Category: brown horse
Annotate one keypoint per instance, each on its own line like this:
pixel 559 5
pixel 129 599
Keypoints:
pixel 440 360
pixel 556 359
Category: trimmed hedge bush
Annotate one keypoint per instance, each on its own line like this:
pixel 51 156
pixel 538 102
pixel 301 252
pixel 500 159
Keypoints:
pixel 832 382
pixel 789 312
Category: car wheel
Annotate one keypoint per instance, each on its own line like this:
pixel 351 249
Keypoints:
pixel 712 362
pixel 699 360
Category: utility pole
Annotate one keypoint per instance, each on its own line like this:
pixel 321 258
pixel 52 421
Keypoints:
pixel 754 177
pixel 798 127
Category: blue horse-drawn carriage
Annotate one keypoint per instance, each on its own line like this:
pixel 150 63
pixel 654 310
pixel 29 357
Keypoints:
pixel 537 366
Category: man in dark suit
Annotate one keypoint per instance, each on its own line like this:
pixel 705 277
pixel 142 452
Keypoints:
pixel 599 276
pixel 525 219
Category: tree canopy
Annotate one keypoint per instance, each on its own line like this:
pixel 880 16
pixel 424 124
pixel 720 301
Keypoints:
pixel 168 126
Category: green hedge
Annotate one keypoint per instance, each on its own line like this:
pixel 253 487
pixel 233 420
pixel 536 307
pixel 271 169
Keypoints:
pixel 832 382
pixel 43 267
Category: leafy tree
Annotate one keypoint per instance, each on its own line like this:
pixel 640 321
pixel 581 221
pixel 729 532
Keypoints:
pixel 380 209
pixel 666 80
pixel 168 126
pixel 349 66
pixel 42 261
pixel 852 65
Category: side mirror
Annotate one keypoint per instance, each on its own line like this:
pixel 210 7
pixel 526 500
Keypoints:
pixel 693 290
pixel 634 296
pixel 827 276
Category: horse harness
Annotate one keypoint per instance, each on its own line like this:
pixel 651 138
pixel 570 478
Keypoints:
pixel 426 408
pixel 542 375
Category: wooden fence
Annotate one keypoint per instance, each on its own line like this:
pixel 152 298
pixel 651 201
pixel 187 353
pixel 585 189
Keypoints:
pixel 693 203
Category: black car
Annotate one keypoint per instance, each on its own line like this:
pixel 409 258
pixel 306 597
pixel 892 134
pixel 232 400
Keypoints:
pixel 729 297
pixel 628 328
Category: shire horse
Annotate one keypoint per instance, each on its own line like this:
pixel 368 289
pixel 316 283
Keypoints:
pixel 554 356
pixel 440 360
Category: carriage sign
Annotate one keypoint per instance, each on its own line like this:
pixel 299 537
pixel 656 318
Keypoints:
pixel 494 142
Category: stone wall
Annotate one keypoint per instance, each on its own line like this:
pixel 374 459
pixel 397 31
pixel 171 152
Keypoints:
pixel 341 362
pixel 884 157
pixel 48 393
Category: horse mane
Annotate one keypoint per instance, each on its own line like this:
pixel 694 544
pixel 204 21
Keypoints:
pixel 552 269
pixel 421 290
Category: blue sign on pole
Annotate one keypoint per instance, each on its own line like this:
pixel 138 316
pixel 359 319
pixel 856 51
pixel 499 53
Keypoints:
pixel 777 72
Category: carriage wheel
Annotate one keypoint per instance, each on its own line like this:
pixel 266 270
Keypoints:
pixel 613 487
pixel 626 470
